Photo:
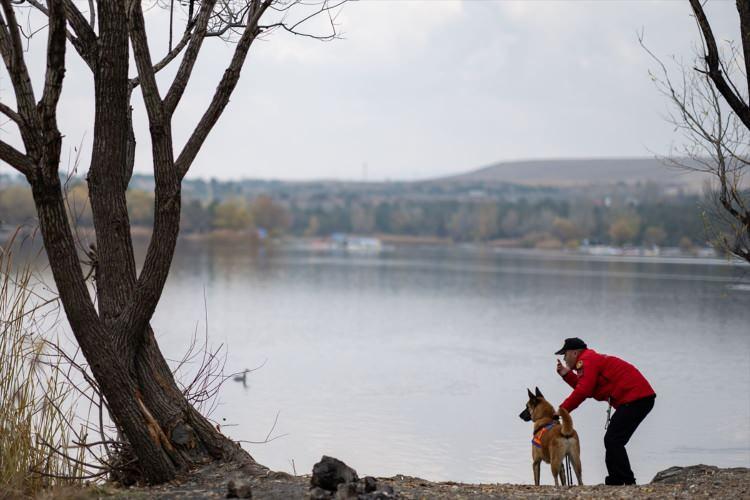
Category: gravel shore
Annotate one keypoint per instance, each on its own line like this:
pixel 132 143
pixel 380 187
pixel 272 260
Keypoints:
pixel 699 481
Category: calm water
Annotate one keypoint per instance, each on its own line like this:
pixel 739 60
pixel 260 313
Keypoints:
pixel 417 361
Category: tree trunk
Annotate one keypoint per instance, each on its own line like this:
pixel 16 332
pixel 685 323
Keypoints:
pixel 141 400
pixel 166 433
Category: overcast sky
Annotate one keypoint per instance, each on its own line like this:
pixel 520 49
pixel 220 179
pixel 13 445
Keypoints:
pixel 419 89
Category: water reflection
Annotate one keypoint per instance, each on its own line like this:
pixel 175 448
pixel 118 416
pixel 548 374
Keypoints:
pixel 416 361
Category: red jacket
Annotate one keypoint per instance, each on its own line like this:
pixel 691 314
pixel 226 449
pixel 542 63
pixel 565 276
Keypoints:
pixel 605 378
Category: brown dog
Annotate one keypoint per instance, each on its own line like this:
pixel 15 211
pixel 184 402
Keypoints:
pixel 552 441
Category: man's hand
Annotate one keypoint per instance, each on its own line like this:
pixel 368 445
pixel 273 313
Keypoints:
pixel 562 370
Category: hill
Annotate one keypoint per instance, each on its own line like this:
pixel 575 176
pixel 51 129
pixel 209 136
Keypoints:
pixel 563 173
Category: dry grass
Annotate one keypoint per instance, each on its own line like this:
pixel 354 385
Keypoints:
pixel 36 414
pixel 56 434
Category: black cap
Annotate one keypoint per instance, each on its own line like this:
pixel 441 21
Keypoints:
pixel 571 344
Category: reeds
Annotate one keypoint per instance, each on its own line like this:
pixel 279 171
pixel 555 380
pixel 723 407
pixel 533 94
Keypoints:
pixel 55 427
pixel 36 412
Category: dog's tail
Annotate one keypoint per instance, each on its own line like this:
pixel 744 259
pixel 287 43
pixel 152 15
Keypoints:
pixel 567 422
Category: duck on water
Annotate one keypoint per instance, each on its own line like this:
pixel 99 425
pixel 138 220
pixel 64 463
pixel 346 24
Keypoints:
pixel 241 377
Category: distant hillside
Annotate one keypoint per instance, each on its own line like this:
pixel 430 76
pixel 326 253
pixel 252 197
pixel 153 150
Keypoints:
pixel 582 172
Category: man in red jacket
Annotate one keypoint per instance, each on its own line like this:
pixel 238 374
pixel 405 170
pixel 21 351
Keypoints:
pixel 607 378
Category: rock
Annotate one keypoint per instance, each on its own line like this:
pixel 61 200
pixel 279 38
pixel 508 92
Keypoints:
pixel 317 493
pixel 346 491
pixel 245 491
pixel 232 490
pixel 241 490
pixel 330 472
pixel 371 484
pixel 675 475
pixel 279 476
pixel 385 493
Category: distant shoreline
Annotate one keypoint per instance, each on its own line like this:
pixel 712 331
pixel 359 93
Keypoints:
pixel 388 242
pixel 576 254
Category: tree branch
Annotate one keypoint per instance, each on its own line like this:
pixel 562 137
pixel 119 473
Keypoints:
pixel 134 82
pixel 717 144
pixel 223 93
pixel 325 8
pixel 167 175
pixel 130 155
pixel 11 113
pixel 84 39
pixel 16 159
pixel 180 81
pixel 87 45
pixel 53 79
pixel 713 63
pixel 55 66
pixel 92 14
pixel 12 52
pixel 743 8
pixel 146 75
pixel 133 322
pixel 228 19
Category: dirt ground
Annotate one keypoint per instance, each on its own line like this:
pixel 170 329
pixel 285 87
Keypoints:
pixel 699 481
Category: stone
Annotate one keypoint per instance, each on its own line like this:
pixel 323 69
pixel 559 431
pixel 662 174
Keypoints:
pixel 330 472
pixel 385 493
pixel 232 490
pixel 317 493
pixel 241 490
pixel 371 484
pixel 279 476
pixel 346 491
pixel 675 475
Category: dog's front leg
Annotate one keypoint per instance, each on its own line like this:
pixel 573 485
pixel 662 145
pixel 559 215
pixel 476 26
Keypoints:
pixel 536 465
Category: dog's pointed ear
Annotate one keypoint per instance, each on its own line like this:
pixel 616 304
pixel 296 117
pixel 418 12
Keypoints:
pixel 531 394
pixel 538 392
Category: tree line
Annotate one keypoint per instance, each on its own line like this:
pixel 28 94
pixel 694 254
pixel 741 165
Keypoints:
pixel 543 223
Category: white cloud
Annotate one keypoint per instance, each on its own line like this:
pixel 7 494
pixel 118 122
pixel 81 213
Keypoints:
pixel 422 88
pixel 369 29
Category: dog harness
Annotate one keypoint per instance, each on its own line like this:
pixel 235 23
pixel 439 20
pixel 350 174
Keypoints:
pixel 537 440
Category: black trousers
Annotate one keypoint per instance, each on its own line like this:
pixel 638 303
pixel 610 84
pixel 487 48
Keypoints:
pixel 624 422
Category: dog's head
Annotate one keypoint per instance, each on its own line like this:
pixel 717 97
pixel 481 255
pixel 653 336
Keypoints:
pixel 536 407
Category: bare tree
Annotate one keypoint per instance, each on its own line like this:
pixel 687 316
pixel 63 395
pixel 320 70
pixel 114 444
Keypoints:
pixel 712 112
pixel 166 433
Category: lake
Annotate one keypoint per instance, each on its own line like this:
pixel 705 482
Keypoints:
pixel 416 361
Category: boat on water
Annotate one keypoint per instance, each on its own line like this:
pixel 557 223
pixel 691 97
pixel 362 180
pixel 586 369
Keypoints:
pixel 340 242
pixel 364 245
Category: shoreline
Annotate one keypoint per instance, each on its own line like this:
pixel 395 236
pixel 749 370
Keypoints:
pixel 302 244
pixel 388 243
pixel 212 481
pixel 392 242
